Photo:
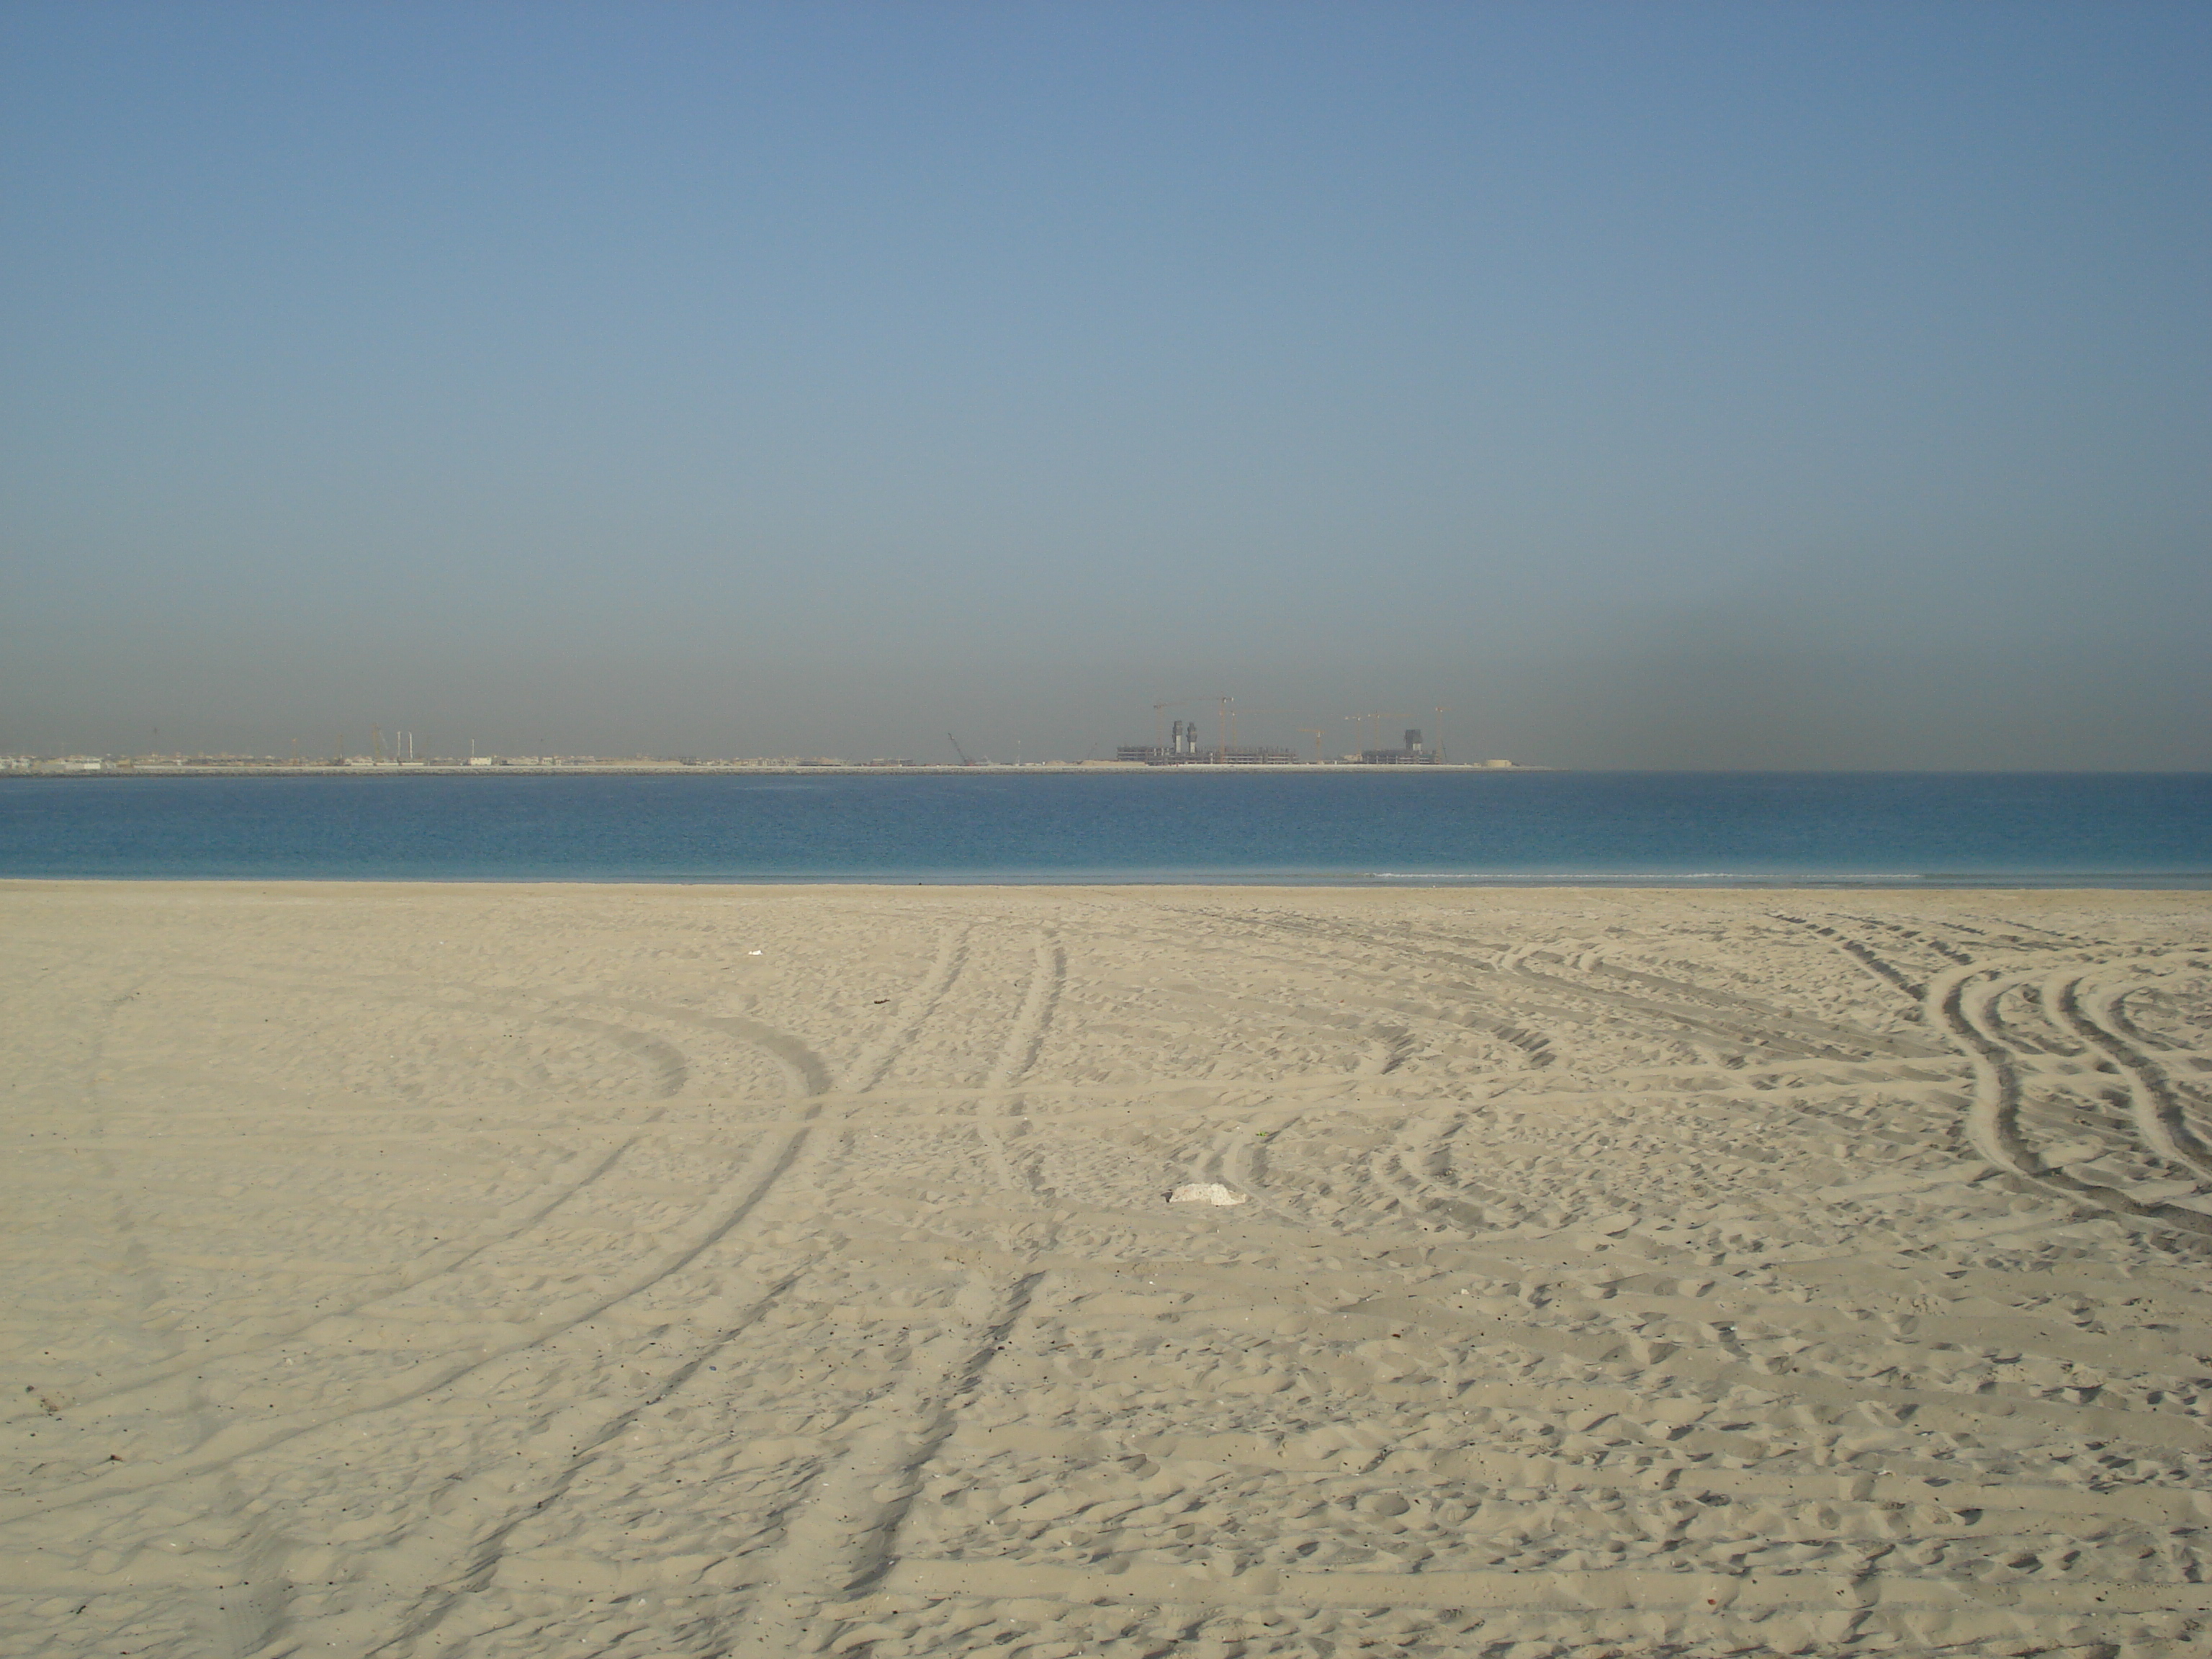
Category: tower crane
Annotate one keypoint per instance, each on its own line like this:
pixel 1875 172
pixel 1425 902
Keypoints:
pixel 1227 734
pixel 1314 733
pixel 1250 714
pixel 1359 725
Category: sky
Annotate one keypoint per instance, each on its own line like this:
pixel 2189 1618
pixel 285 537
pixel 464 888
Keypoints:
pixel 1772 384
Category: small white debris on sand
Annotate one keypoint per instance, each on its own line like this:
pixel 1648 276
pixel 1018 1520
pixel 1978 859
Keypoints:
pixel 1206 1192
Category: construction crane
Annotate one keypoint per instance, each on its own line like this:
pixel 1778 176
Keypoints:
pixel 957 749
pixel 1250 714
pixel 1364 743
pixel 1314 733
pixel 1227 730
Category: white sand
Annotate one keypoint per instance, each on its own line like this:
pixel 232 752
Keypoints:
pixel 419 1270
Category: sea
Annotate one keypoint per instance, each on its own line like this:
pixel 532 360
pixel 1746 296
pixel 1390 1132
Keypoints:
pixel 1378 827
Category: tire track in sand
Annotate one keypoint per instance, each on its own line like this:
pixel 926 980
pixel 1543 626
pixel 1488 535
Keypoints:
pixel 570 1177
pixel 875 1063
pixel 1456 1006
pixel 457 1552
pixel 843 1536
pixel 1407 1170
pixel 1048 978
pixel 1240 1162
pixel 1993 1120
pixel 672 1072
pixel 1888 973
pixel 1955 1001
pixel 731 1202
pixel 473 1525
pixel 2157 1107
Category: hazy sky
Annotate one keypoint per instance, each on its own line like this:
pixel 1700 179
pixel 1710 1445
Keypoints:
pixel 1661 384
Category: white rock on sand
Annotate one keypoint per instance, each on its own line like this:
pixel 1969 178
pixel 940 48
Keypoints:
pixel 692 1271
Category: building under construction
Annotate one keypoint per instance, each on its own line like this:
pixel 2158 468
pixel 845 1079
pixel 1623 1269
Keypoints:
pixel 1415 753
pixel 1184 749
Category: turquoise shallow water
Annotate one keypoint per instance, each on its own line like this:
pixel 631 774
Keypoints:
pixel 1382 826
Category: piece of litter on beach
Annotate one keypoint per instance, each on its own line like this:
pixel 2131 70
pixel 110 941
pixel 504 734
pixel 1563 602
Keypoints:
pixel 752 953
pixel 1206 1192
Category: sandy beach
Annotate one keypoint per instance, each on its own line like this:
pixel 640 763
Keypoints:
pixel 654 1270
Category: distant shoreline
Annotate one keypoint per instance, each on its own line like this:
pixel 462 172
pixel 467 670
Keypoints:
pixel 734 768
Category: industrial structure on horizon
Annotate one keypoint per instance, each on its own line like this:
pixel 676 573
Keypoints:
pixel 1415 753
pixel 1183 748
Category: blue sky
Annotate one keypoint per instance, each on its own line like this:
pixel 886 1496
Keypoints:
pixel 1666 385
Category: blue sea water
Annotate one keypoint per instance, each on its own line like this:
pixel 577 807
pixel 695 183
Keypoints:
pixel 1381 827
